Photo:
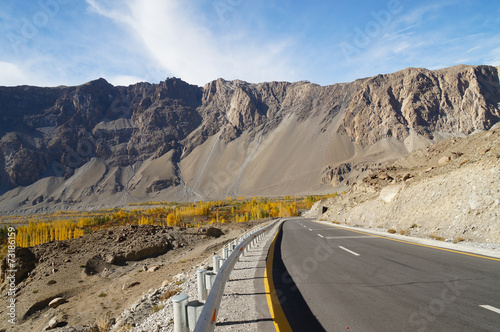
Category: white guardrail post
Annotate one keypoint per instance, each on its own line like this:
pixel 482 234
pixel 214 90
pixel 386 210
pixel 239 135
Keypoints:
pixel 224 253
pixel 216 263
pixel 180 313
pixel 221 262
pixel 209 280
pixel 202 285
pixel 194 309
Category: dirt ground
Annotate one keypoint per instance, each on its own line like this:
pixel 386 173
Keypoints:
pixel 107 271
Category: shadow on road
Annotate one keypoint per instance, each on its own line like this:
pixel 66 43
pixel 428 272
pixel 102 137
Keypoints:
pixel 294 306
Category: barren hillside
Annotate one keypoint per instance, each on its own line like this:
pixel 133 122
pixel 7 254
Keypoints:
pixel 448 191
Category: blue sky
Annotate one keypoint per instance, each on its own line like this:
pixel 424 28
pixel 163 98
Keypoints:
pixel 70 42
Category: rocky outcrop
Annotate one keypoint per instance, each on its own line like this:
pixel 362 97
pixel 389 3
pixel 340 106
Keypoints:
pixel 426 101
pixel 25 262
pixel 54 134
pixel 335 175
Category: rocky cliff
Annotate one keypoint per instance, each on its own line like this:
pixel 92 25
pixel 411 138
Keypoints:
pixel 101 145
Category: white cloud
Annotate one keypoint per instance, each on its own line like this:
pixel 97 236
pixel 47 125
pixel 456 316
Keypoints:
pixel 173 33
pixel 12 74
pixel 124 80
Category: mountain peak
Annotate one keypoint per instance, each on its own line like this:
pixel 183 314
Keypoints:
pixel 95 142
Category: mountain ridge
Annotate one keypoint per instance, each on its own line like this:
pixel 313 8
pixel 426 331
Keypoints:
pixel 159 141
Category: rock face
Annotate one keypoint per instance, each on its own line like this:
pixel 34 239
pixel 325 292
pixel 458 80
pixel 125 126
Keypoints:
pixel 98 144
pixel 428 102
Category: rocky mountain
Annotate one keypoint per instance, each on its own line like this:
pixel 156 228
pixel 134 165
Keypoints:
pixel 98 145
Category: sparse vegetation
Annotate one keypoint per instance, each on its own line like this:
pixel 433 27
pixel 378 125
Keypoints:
pixel 457 240
pixel 126 328
pixel 103 294
pixel 103 324
pixel 157 308
pixel 169 294
pixel 64 225
pixel 437 237
pixel 391 231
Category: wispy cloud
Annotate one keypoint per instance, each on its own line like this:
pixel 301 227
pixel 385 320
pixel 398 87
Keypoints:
pixel 199 40
pixel 174 35
pixel 422 36
pixel 494 57
pixel 110 10
pixel 417 15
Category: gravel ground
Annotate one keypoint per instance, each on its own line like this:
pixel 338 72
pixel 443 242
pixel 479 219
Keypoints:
pixel 243 306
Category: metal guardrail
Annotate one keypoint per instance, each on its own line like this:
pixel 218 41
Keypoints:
pixel 208 316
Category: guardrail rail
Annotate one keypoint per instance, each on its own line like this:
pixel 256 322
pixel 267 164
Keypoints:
pixel 202 317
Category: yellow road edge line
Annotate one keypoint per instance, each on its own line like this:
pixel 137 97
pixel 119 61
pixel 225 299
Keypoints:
pixel 277 314
pixel 414 243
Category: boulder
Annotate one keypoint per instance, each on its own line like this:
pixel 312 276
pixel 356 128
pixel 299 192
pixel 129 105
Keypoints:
pixel 128 285
pixel 407 176
pixel 52 324
pixel 153 268
pixel 57 302
pixel 444 160
pixel 384 176
pixel 115 259
pixel 56 322
pixel 146 250
pixel 214 232
pixel 96 265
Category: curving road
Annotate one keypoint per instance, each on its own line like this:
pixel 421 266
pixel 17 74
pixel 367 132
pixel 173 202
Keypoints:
pixel 331 279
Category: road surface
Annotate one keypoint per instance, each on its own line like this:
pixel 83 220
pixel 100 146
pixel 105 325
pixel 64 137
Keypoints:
pixel 330 279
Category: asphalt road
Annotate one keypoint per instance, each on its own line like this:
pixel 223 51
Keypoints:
pixel 334 279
